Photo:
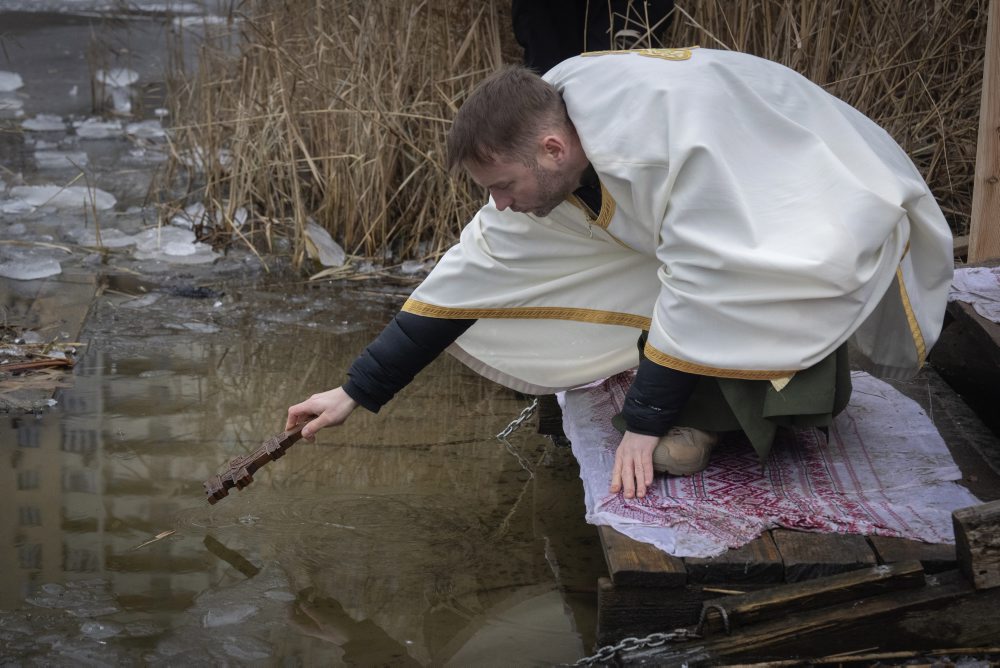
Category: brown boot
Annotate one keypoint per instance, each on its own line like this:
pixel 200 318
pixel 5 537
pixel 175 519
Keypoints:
pixel 684 451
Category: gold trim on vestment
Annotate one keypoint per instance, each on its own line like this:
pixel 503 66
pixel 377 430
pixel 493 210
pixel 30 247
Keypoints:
pixel 608 207
pixel 911 318
pixel 529 313
pixel 581 205
pixel 603 220
pixel 665 54
pixel 663 359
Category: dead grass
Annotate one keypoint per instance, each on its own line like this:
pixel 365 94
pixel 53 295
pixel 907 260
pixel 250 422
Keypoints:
pixel 337 111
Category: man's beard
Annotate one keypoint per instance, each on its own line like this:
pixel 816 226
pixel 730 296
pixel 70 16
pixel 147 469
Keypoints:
pixel 553 188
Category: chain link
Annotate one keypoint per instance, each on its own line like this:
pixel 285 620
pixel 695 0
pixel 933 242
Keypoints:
pixel 605 654
pixel 516 423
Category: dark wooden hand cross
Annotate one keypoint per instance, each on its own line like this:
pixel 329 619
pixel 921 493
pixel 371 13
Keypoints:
pixel 240 471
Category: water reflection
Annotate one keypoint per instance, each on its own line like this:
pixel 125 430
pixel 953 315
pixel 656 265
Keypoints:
pixel 410 538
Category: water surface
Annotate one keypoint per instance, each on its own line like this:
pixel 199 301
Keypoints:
pixel 408 538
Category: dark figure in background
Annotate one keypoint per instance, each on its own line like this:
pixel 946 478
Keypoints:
pixel 553 30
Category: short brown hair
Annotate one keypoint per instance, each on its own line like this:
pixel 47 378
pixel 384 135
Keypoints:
pixel 502 118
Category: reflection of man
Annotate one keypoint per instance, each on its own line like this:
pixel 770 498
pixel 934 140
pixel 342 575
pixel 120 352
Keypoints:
pixel 742 218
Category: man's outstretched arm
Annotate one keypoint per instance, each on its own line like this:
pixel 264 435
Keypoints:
pixel 407 344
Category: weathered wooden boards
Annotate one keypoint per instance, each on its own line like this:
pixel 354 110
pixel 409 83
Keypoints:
pixel 791 593
pixel 883 621
pixel 635 564
pixel 792 599
pixel 650 591
pixel 977 543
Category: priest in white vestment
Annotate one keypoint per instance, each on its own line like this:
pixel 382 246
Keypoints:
pixel 742 220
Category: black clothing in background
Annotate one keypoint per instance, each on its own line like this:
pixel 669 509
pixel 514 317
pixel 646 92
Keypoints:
pixel 553 30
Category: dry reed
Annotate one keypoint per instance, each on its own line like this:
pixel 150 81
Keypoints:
pixel 337 111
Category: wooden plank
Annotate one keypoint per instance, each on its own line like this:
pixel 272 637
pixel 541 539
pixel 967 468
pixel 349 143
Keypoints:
pixel 813 555
pixel 984 232
pixel 792 599
pixel 934 557
pixel 635 564
pixel 638 611
pixel 756 562
pixel 977 543
pixel 875 621
pixel 985 332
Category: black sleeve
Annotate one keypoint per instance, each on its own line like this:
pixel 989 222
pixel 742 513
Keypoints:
pixel 655 398
pixel 406 345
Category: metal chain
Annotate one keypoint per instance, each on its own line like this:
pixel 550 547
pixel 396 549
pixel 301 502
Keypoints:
pixel 607 653
pixel 516 423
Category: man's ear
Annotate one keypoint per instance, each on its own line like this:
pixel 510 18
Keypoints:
pixel 553 147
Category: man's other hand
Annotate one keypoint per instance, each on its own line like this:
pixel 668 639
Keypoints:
pixel 331 408
pixel 633 469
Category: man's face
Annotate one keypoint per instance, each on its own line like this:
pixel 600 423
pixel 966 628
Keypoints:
pixel 534 189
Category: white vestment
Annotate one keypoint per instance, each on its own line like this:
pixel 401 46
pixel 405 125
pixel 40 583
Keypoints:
pixel 750 221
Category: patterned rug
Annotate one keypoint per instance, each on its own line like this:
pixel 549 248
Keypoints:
pixel 883 471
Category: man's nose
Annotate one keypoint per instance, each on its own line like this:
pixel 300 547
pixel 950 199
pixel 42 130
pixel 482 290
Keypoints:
pixel 501 201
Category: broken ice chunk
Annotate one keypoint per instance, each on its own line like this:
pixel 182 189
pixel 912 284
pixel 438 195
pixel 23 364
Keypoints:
pixel 15 206
pixel 95 128
pixel 321 246
pixel 44 123
pixel 29 270
pixel 10 81
pixel 146 130
pixel 110 238
pixel 172 244
pixel 72 197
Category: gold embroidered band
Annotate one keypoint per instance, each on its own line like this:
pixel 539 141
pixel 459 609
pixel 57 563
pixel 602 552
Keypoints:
pixel 529 313
pixel 911 319
pixel 665 54
pixel 663 359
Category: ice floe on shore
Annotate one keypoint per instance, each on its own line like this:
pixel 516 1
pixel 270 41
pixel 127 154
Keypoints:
pixel 10 103
pixel 96 128
pixel 58 197
pixel 27 264
pixel 10 81
pixel 44 123
pixel 151 129
pixel 166 244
